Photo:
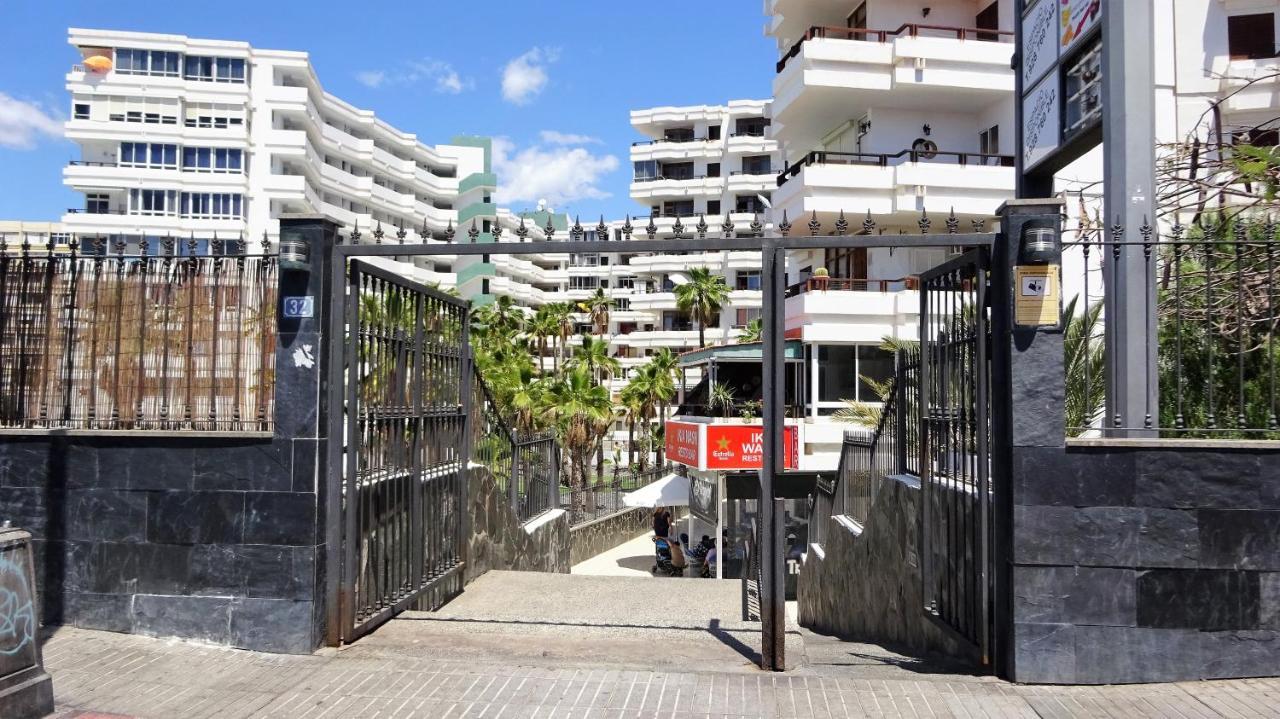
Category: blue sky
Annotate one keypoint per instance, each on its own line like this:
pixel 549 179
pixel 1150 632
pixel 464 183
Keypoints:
pixel 556 79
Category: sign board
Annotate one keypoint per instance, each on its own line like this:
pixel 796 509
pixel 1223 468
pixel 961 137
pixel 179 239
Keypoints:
pixel 299 307
pixel 1054 36
pixel 1038 298
pixel 704 502
pixel 726 447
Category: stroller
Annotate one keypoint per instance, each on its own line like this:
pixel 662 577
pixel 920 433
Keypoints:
pixel 698 553
pixel 665 559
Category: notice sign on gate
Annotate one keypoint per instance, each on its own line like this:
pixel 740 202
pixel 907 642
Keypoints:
pixel 1037 302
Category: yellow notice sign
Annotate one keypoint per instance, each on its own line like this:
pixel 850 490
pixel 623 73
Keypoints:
pixel 1037 296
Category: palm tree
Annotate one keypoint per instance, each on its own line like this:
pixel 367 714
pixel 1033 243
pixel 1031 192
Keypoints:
pixel 1085 361
pixel 598 306
pixel 594 355
pixel 580 407
pixel 632 400
pixel 664 365
pixel 702 297
pixel 542 326
pixel 562 317
pixel 721 395
pixel 754 332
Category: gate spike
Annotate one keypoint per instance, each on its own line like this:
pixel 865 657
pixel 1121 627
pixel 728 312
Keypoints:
pixel 784 227
pixel 377 234
pixel 702 227
pixel 474 233
pixel 576 232
pixel 26 245
pixel 400 233
pixel 191 244
pixel 242 247
pixel 627 228
pixel 677 229
pixel 651 229
pixel 757 229
pixel 142 245
pixel 726 229
pixel 842 225
pixel 814 226
pixel 868 224
pixel 355 233
pixel 496 231
pixel 522 232
pixel 602 230
pixel 266 242
pixel 168 243
pixel 924 222
pixel 979 225
pixel 423 232
pixel 449 232
pixel 953 223
pixel 550 229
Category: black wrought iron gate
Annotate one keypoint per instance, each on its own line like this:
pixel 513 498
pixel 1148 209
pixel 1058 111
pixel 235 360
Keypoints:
pixel 955 448
pixel 405 381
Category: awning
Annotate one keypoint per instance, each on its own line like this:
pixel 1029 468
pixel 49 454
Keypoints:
pixel 671 490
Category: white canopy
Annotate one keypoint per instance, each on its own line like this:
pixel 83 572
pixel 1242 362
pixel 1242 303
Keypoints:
pixel 671 490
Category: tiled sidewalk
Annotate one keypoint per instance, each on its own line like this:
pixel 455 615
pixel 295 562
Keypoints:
pixel 135 676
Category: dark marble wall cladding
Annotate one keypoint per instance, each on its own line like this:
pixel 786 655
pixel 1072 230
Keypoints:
pixel 866 586
pixel 591 538
pixel 499 540
pixel 1154 562
pixel 203 537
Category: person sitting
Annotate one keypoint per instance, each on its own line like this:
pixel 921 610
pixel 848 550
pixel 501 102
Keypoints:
pixel 709 561
pixel 677 555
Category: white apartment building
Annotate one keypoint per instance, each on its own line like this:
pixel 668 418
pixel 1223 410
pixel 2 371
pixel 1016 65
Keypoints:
pixel 214 139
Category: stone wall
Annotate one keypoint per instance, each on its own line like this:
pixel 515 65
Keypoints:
pixel 499 540
pixel 1146 561
pixel 202 537
pixel 866 586
pixel 591 538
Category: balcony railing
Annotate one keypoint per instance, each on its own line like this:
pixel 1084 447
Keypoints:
pixel 666 140
pixel 96 163
pixel 658 178
pixel 823 157
pixel 907 30
pixel 850 284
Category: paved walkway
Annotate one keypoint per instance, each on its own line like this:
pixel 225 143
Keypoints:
pixel 632 558
pixel 526 645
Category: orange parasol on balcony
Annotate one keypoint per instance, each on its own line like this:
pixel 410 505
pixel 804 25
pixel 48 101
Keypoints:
pixel 98 63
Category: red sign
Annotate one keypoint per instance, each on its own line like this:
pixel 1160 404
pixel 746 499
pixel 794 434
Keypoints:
pixel 726 446
pixel 683 441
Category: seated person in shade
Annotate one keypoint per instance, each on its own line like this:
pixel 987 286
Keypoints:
pixel 711 558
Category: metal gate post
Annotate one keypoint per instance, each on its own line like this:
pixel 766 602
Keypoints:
pixel 772 514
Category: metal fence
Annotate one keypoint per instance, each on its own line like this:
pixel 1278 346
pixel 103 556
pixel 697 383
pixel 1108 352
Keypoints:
pixel 93 338
pixel 1213 333
pixel 603 495
pixel 524 467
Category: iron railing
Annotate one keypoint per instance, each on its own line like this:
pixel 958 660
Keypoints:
pixel 906 30
pixel 851 284
pixel 1216 316
pixel 603 496
pixel 893 159
pixel 162 339
pixel 525 467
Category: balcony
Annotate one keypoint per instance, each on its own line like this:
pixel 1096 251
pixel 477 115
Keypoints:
pixel 669 149
pixel 643 188
pixel 843 310
pixel 902 183
pixel 841 72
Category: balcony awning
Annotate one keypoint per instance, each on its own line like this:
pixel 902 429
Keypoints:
pixel 670 491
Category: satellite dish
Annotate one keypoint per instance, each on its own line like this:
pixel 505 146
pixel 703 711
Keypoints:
pixel 925 148
pixel 765 201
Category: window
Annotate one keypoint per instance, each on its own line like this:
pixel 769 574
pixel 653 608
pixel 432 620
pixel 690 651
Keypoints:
pixel 146 62
pixel 857 18
pixel 748 280
pixel 212 159
pixel 80 111
pixel 713 207
pixel 622 304
pixel 97 203
pixel 756 165
pixel 213 115
pixel 848 263
pixel 677 208
pixel 713 169
pixel 1251 37
pixel 678 134
pixel 646 170
pixel 152 202
pixel 750 126
pixel 142 154
pixel 744 315
pixel 151 110
pixel 677 170
pixel 214 69
pixel 989 141
pixel 583 283
pixel 713 132
pixel 215 205
pixel 988 19
pixel 747 203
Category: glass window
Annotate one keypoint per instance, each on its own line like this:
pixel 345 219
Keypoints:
pixel 713 207
pixel 837 373
pixel 748 280
pixel 876 364
pixel 80 111
pixel 713 169
pixel 1251 37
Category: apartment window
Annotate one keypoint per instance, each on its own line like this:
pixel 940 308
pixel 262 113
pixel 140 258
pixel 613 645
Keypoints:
pixel 756 165
pixel 713 207
pixel 677 170
pixel 847 263
pixel 744 315
pixel 214 116
pixel 212 205
pixel 748 280
pixel 713 132
pixel 214 69
pixel 142 154
pixel 842 367
pixel 747 203
pixel 677 208
pixel 622 304
pixel 146 62
pixel 97 203
pixel 152 202
pixel 80 111
pixel 583 283
pixel 750 126
pixel 646 170
pixel 678 134
pixel 591 259
pixel 1251 37
pixel 154 111
pixel 989 141
pixel 713 169
pixel 988 19
pixel 675 321
pixel 212 159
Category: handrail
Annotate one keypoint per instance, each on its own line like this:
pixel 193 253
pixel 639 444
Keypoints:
pixel 766 171
pixel 851 284
pixel 657 178
pixel 672 140
pixel 828 157
pixel 865 35
pixel 94 163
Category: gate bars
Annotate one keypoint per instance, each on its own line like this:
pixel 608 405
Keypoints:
pixel 955 448
pixel 403 499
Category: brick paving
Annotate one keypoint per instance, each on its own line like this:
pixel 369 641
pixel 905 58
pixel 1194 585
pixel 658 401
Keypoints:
pixel 99 673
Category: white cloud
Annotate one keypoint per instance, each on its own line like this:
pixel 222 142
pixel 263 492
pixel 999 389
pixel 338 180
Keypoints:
pixel 371 78
pixel 552 137
pixel 440 74
pixel 525 77
pixel 23 124
pixel 553 172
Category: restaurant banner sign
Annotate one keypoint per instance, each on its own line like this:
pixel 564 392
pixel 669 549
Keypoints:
pixel 726 447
